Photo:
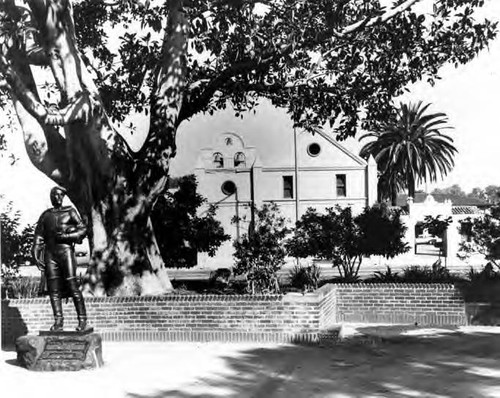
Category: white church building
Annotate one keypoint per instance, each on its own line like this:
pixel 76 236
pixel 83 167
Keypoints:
pixel 262 159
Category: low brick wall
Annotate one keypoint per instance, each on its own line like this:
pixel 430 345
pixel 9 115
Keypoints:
pixel 424 304
pixel 293 317
pixel 275 318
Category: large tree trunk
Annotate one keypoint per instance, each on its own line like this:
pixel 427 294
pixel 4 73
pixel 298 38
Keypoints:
pixel 113 188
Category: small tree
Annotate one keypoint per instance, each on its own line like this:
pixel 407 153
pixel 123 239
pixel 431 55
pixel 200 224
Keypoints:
pixel 343 239
pixel 16 243
pixel 15 246
pixel 484 235
pixel 180 231
pixel 260 254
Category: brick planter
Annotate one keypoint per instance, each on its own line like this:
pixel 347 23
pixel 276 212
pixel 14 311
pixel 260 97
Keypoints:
pixel 292 317
pixel 423 304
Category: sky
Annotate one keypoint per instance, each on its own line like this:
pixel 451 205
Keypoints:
pixel 469 95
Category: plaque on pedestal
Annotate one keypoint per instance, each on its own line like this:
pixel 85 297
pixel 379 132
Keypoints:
pixel 60 351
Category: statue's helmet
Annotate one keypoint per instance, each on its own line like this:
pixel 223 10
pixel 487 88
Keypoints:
pixel 56 195
pixel 57 188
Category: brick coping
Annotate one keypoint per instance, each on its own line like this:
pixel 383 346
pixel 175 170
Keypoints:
pixel 397 285
pixel 287 297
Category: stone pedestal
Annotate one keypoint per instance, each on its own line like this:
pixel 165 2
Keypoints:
pixel 60 351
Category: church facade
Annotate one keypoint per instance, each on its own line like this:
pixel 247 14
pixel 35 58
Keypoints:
pixel 314 171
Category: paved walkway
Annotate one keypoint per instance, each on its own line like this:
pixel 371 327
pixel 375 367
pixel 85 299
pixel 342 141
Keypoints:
pixel 385 362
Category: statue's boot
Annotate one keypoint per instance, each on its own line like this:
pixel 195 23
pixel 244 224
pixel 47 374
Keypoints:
pixel 81 312
pixel 54 286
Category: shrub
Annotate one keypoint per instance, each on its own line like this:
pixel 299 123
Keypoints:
pixel 386 276
pixel 483 286
pixel 305 278
pixel 17 287
pixel 486 274
pixel 434 274
pixel 24 287
pixel 15 242
pixel 260 254
pixel 9 275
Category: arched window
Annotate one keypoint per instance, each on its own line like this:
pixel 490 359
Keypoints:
pixel 239 160
pixel 218 160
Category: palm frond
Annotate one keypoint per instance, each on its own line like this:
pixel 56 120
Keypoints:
pixel 412 148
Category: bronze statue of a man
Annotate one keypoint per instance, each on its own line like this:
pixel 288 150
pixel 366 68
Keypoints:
pixel 56 233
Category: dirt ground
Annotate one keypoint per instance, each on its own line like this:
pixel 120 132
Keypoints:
pixel 368 362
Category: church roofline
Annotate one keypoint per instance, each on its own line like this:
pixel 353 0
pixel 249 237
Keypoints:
pixel 335 143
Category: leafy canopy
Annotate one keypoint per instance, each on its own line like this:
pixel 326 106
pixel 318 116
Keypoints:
pixel 324 61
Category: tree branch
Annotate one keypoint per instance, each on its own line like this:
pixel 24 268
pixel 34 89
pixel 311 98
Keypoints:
pixel 55 21
pixel 190 108
pixel 23 93
pixel 193 106
pixel 166 101
pixel 36 56
pixel 44 145
pixel 371 21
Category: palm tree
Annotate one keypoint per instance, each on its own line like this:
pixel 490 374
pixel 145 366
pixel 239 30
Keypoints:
pixel 410 149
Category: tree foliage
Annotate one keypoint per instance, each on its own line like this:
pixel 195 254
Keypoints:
pixel 260 254
pixel 16 242
pixel 321 61
pixel 489 194
pixel 454 190
pixel 484 234
pixel 437 226
pixel 180 230
pixel 73 70
pixel 410 149
pixel 345 239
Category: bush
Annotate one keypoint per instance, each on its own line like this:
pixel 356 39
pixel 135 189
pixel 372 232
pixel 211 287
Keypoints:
pixel 9 275
pixel 260 254
pixel 19 287
pixel 434 274
pixel 15 242
pixel 305 278
pixel 25 287
pixel 486 274
pixel 385 277
pixel 481 287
